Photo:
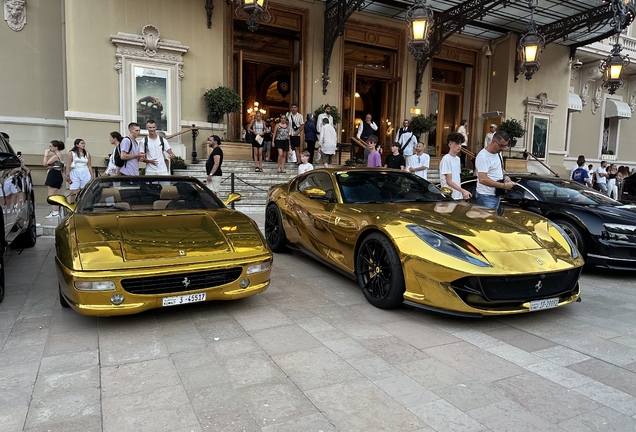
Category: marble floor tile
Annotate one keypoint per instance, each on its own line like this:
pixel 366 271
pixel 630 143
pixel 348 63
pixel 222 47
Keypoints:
pixel 360 405
pixel 443 416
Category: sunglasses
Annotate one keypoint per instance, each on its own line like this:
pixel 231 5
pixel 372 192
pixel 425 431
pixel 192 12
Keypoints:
pixel 501 145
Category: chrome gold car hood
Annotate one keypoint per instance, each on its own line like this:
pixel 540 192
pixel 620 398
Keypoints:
pixel 107 240
pixel 482 227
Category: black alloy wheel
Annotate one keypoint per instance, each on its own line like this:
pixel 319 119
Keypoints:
pixel 28 238
pixel 575 234
pixel 274 231
pixel 379 272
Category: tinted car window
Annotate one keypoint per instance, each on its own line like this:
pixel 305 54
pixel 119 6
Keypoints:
pixel 359 187
pixel 319 180
pixel 568 192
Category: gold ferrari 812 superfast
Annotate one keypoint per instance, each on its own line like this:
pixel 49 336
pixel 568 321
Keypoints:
pixel 129 244
pixel 406 241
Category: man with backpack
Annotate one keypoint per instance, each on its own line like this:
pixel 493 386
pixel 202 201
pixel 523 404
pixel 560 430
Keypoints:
pixel 154 147
pixel 128 152
pixel 407 143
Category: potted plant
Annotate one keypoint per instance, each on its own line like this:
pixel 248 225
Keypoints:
pixel 514 129
pixel 220 101
pixel 421 123
pixel 334 113
pixel 177 162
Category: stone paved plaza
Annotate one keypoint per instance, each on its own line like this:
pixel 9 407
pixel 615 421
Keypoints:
pixel 310 354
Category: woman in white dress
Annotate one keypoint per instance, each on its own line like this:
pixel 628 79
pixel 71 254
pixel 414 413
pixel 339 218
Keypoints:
pixel 78 166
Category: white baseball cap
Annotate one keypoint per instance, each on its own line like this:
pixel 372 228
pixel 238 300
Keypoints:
pixel 493 125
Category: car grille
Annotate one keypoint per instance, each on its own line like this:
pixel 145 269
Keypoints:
pixel 181 282
pixel 519 288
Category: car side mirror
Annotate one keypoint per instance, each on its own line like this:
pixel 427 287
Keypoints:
pixel 314 193
pixel 61 200
pixel 8 161
pixel 233 197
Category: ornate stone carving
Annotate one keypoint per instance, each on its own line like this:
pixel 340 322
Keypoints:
pixel 15 14
pixel 590 76
pixel 597 99
pixel 540 104
pixel 151 39
pixel 632 101
pixel 147 46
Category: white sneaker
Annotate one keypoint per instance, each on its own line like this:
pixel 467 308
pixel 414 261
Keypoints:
pixel 52 215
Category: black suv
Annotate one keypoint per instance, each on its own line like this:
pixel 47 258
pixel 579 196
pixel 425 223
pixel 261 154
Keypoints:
pixel 18 205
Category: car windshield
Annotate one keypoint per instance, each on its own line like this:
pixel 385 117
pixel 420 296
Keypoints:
pixel 376 186
pixel 123 194
pixel 564 191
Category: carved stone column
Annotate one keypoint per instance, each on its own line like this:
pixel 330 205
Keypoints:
pixel 589 78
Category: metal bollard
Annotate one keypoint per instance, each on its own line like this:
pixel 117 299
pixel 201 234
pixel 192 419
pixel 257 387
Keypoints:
pixel 232 187
pixel 195 133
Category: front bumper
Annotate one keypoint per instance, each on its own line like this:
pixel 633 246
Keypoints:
pixel 98 303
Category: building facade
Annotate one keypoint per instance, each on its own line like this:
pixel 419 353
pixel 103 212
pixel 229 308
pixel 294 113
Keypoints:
pixel 84 68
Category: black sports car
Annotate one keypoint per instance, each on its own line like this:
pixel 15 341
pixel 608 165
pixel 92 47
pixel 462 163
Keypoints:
pixel 603 229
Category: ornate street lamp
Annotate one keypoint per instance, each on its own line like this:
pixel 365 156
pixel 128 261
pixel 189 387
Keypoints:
pixel 419 18
pixel 612 68
pixel 251 10
pixel 530 46
pixel 614 64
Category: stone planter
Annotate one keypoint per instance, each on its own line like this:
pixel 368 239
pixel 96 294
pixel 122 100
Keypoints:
pixel 516 165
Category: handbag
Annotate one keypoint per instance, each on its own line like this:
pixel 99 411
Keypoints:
pixel 259 139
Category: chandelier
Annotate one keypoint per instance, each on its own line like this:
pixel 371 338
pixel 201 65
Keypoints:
pixel 419 18
pixel 252 10
pixel 530 46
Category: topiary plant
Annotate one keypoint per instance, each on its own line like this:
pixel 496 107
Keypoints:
pixel 421 123
pixel 222 100
pixel 334 113
pixel 513 127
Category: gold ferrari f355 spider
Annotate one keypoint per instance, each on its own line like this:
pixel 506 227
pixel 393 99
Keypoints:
pixel 406 241
pixel 129 244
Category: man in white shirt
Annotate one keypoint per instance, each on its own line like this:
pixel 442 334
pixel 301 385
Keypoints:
pixel 419 162
pixel 154 146
pixel 489 135
pixel 490 173
pixel 450 167
pixel 601 177
pixel 402 130
pixel 407 143
pixel 463 129
pixel 296 125
pixel 325 114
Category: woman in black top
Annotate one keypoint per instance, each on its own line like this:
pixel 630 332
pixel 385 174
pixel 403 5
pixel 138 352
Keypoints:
pixel 213 164
pixel 54 161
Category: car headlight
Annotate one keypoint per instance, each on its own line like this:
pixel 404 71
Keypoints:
pixel 619 232
pixel 95 286
pixel 573 249
pixel 258 268
pixel 444 245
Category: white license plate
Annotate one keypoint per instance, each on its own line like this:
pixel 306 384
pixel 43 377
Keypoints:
pixel 544 304
pixel 189 298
